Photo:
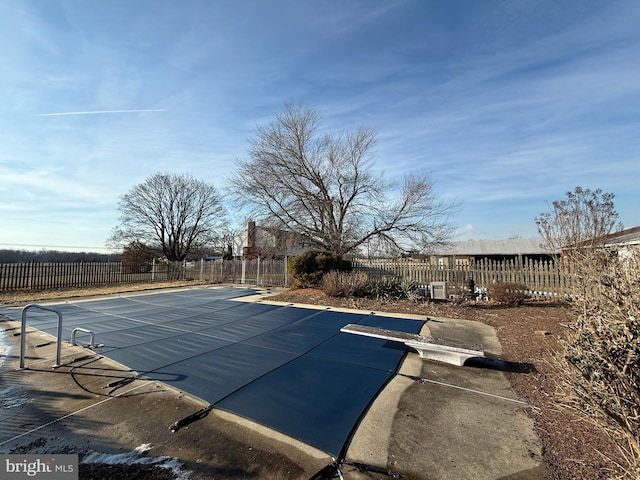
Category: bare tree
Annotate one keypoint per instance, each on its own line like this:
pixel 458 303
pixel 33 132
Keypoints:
pixel 322 188
pixel 176 213
pixel 581 221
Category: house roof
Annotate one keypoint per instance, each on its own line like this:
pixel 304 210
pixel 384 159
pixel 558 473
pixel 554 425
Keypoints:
pixel 629 236
pixel 511 246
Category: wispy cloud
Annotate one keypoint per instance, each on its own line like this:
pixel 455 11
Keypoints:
pixel 98 112
pixel 506 104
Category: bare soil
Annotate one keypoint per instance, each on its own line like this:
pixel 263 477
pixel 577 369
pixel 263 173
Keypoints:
pixel 573 447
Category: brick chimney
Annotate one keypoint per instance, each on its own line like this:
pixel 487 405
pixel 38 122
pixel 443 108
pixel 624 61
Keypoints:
pixel 251 234
pixel 251 251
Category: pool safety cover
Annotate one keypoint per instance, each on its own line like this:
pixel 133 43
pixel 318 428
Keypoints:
pixel 285 367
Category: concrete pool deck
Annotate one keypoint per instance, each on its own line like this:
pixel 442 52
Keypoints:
pixel 432 421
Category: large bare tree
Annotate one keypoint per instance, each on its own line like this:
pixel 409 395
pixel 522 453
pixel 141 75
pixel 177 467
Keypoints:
pixel 176 213
pixel 322 187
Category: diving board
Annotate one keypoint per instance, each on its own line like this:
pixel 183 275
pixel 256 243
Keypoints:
pixel 426 346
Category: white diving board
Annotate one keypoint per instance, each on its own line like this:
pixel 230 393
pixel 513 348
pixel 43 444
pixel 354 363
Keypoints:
pixel 427 347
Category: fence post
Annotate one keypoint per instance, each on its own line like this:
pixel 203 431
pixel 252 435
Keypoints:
pixel 24 271
pixel 258 270
pixel 30 275
pixel 286 271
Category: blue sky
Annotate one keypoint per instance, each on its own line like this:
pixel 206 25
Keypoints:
pixel 506 104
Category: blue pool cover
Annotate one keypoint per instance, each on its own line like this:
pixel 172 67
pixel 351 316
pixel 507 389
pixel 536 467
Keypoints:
pixel 285 367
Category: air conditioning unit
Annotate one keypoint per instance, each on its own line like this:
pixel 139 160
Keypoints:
pixel 438 291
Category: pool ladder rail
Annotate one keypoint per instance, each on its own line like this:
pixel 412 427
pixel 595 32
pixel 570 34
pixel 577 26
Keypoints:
pixel 23 331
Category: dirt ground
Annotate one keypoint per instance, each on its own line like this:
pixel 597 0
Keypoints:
pixel 572 447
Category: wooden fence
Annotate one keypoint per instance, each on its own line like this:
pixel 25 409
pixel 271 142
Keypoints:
pixel 541 277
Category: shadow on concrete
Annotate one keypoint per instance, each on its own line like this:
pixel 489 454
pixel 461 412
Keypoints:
pixel 501 365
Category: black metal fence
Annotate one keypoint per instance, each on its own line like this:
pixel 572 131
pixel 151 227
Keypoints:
pixel 46 276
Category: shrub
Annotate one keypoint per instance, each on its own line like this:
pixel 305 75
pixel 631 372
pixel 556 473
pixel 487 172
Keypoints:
pixel 458 294
pixel 345 284
pixel 308 268
pixel 409 290
pixel 392 288
pixel 512 294
pixel 384 288
pixel 600 359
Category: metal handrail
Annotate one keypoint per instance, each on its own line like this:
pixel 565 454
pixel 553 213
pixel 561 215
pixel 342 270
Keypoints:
pixel 84 330
pixel 23 330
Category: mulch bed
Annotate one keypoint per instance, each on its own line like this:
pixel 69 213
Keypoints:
pixel 573 447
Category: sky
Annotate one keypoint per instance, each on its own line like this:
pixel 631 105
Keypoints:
pixel 507 105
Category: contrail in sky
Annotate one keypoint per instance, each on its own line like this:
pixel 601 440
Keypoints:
pixel 96 112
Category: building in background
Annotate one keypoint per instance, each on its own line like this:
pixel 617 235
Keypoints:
pixel 257 241
pixel 467 252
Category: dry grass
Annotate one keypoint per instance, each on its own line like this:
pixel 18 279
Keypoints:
pixel 31 296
